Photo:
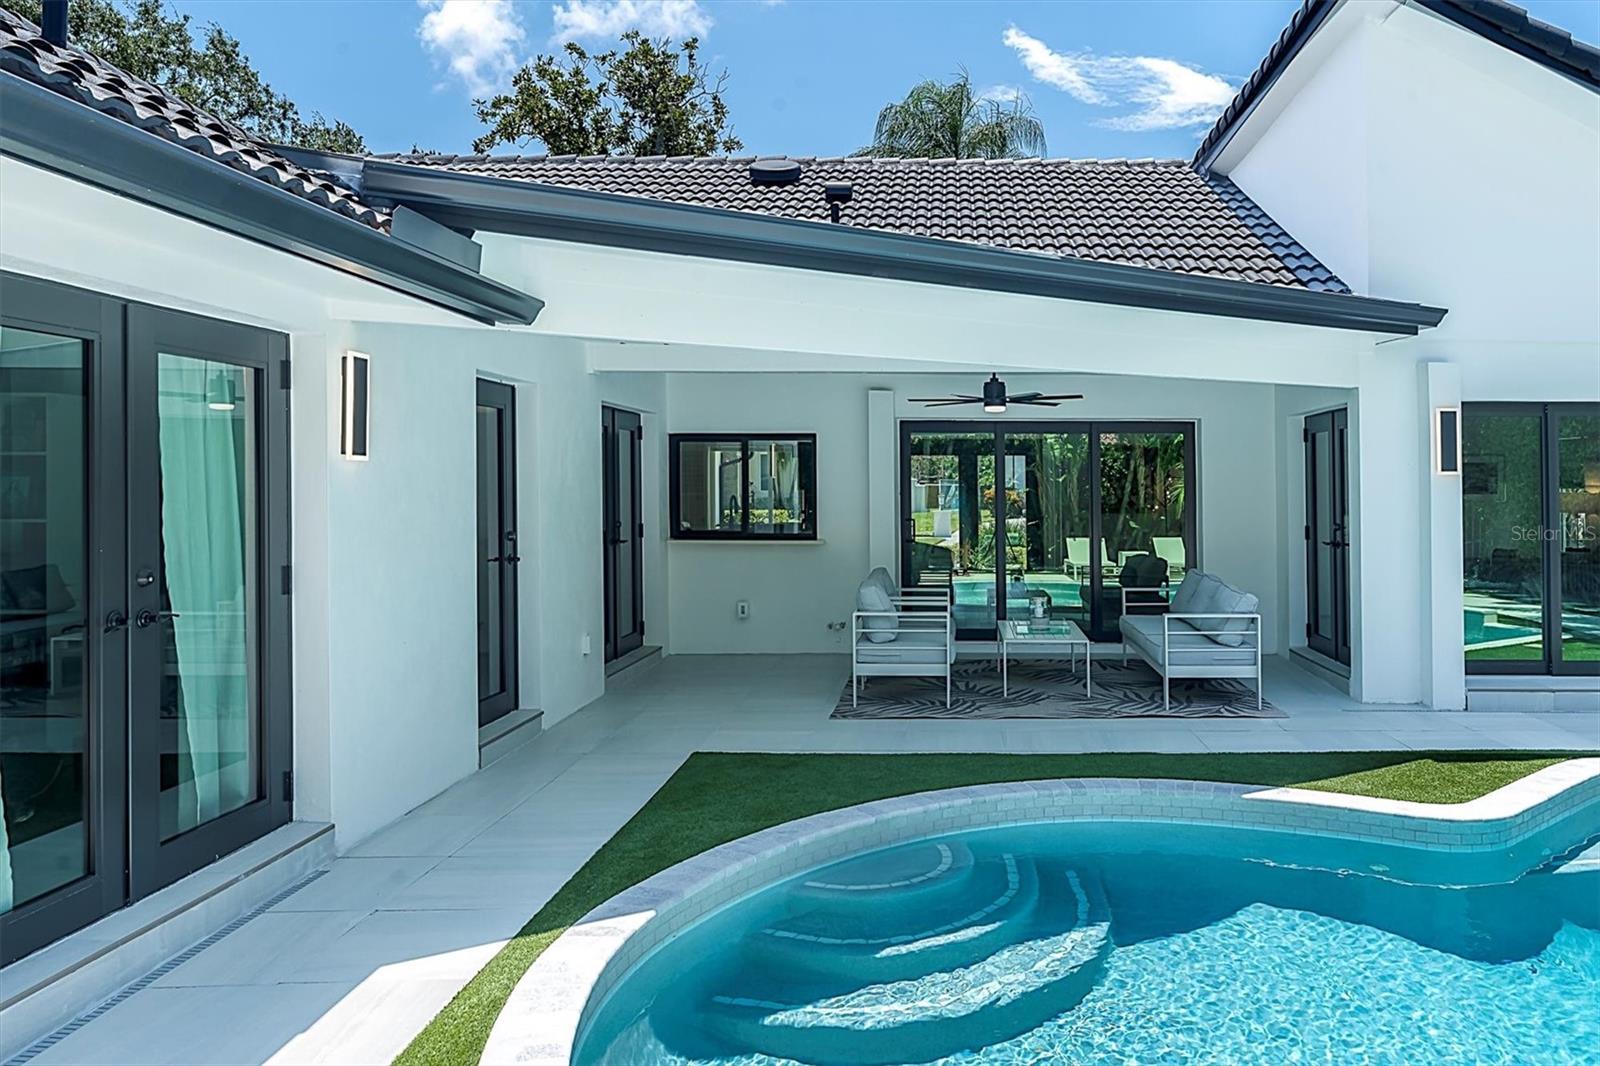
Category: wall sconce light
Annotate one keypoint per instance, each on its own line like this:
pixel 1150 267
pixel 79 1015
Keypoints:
pixel 354 408
pixel 1447 440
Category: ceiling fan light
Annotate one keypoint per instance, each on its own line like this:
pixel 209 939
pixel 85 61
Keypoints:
pixel 994 395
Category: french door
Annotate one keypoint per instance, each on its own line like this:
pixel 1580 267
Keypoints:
pixel 1327 534
pixel 498 553
pixel 622 532
pixel 1530 497
pixel 1069 513
pixel 144 674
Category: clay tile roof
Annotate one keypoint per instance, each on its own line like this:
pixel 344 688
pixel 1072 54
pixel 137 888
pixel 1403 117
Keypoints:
pixel 77 75
pixel 1140 212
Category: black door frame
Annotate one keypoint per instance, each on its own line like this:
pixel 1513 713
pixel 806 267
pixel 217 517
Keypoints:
pixel 127 860
pixel 97 320
pixel 502 397
pixel 152 862
pixel 1335 424
pixel 1552 665
pixel 622 532
pixel 1094 428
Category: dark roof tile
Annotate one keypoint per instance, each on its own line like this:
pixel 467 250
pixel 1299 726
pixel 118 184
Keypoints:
pixel 1141 212
pixel 79 76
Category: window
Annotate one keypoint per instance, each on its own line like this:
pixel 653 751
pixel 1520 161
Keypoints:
pixel 1530 493
pixel 728 486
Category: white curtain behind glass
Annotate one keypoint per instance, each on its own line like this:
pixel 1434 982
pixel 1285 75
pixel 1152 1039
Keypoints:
pixel 203 458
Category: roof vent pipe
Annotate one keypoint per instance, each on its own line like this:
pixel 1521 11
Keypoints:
pixel 837 193
pixel 53 22
pixel 774 172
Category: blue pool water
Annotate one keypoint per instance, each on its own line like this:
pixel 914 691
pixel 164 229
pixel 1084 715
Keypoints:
pixel 1479 630
pixel 1132 943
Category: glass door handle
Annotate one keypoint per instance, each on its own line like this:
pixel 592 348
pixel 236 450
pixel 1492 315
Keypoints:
pixel 114 621
pixel 147 618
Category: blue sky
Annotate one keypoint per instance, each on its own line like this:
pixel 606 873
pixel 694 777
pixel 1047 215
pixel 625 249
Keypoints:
pixel 1133 78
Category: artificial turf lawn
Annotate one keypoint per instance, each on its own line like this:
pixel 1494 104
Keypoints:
pixel 714 798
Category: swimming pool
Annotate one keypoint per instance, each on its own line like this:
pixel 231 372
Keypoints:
pixel 1134 941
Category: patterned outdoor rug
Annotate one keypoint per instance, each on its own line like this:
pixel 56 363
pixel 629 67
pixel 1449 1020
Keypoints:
pixel 1047 688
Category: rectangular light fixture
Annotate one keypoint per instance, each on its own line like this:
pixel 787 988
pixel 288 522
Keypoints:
pixel 354 406
pixel 1447 441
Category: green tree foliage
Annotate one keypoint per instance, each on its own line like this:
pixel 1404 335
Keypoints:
pixel 650 98
pixel 949 120
pixel 151 41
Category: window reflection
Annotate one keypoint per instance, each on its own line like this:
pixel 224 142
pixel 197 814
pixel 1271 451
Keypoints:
pixel 44 599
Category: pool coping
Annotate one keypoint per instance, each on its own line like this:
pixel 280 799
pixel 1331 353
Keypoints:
pixel 554 1000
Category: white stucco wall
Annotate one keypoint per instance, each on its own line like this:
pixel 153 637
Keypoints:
pixel 1425 163
pixel 401 628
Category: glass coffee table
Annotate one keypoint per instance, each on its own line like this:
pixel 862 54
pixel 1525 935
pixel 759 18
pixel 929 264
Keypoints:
pixel 1042 636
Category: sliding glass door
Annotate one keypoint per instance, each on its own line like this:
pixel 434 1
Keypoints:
pixel 1058 512
pixel 144 679
pixel 1530 489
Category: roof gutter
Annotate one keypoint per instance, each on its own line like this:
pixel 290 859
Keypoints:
pixel 51 131
pixel 475 202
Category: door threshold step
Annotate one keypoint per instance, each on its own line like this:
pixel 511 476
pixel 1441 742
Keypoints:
pixel 645 656
pixel 507 733
pixel 50 988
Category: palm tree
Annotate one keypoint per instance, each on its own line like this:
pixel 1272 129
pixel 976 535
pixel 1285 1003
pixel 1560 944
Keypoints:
pixel 950 120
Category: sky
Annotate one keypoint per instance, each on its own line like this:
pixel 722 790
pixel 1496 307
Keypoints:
pixel 1108 78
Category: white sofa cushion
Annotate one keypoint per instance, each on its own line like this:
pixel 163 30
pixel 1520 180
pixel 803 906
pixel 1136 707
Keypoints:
pixel 1230 600
pixel 1145 634
pixel 871 597
pixel 1188 592
pixel 881 577
pixel 1210 595
pixel 913 646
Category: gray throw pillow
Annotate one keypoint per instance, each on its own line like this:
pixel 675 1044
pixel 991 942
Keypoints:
pixel 871 597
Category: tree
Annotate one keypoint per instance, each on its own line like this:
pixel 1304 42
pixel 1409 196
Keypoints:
pixel 649 99
pixel 151 41
pixel 949 120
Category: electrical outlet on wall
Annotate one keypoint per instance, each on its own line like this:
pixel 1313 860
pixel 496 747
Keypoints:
pixel 741 610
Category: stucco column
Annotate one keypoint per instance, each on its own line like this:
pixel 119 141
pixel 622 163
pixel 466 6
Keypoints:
pixel 1444 666
pixel 883 497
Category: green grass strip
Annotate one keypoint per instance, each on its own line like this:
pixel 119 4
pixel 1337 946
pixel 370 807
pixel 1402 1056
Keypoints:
pixel 714 798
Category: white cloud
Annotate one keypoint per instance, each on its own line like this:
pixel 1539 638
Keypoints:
pixel 582 20
pixel 1167 94
pixel 477 39
pixel 1052 68
pixel 1001 94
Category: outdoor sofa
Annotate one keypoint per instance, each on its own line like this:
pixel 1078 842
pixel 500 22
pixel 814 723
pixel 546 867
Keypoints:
pixel 1208 629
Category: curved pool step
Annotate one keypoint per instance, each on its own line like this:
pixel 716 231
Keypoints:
pixel 1011 991
pixel 916 942
pixel 916 875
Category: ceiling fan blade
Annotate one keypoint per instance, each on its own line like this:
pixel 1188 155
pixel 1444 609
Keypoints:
pixel 953 398
pixel 948 403
pixel 1056 396
pixel 1036 403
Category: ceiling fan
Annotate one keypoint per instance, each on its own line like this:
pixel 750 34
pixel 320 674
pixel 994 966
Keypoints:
pixel 994 398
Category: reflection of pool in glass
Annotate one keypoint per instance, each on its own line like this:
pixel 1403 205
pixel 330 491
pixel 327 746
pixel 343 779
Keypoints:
pixel 1132 942
pixel 1481 632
